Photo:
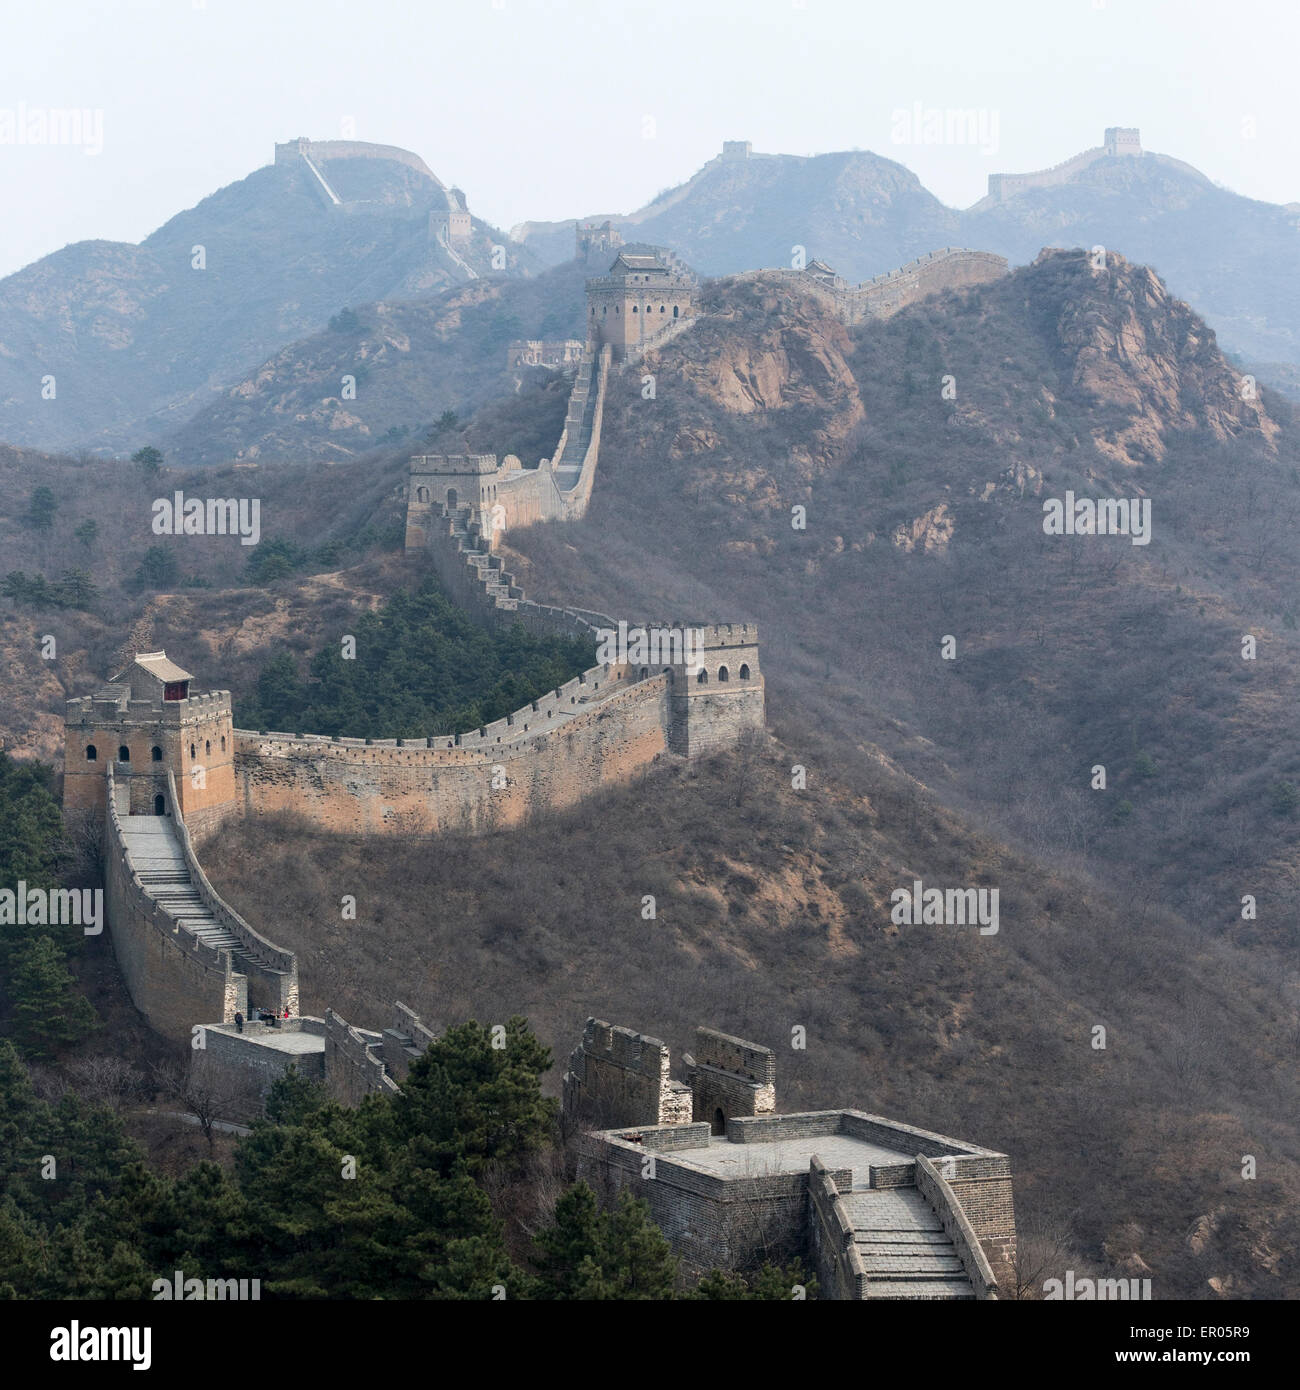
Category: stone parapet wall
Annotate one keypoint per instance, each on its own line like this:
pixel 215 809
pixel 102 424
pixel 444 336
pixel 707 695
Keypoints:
pixel 173 977
pixel 272 972
pixel 841 1275
pixel 527 763
pixel 354 1068
pixel 957 1226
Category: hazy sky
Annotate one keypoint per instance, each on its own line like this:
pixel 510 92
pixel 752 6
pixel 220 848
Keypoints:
pixel 544 109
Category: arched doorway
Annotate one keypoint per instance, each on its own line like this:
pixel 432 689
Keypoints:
pixel 719 1121
pixel 160 805
pixel 453 500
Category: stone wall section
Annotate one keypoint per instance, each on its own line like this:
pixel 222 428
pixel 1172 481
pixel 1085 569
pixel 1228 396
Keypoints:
pixel 832 1243
pixel 600 728
pixel 246 1054
pixel 618 1077
pixel 712 1222
pixel 950 268
pixel 173 977
pixel 729 1077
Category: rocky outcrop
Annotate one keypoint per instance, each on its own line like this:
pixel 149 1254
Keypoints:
pixel 1128 343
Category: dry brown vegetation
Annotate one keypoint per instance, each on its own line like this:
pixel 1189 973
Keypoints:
pixel 772 909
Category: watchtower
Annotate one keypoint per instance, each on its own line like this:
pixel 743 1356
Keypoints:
pixel 1123 140
pixel 148 723
pixel 640 298
pixel 716 690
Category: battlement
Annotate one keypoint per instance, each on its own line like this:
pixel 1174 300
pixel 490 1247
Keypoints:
pixel 737 1184
pixel 321 150
pixel 1118 141
pixel 747 1060
pixel 947 268
pixel 120 709
pixel 618 1076
pixel 466 464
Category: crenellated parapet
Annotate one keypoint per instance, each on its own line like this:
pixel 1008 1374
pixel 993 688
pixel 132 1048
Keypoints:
pixel 1118 142
pixel 948 268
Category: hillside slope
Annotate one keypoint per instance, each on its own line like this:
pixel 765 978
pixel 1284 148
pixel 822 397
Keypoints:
pixel 410 360
pixel 1235 259
pixel 925 519
pixel 137 336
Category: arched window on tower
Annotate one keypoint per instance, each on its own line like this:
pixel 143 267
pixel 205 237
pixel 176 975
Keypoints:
pixel 662 309
pixel 744 672
pixel 421 494
pixel 674 311
pixel 702 678
pixel 92 753
pixel 155 753
pixel 223 743
pixel 194 752
pixel 124 754
pixel 207 748
pixel 723 674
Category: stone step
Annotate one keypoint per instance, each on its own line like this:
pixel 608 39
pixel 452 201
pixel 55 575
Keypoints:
pixel 935 1289
pixel 919 1267
pixel 904 1240
pixel 896 1209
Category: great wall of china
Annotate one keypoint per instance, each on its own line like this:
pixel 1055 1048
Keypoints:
pixel 449 223
pixel 162 768
pixel 949 268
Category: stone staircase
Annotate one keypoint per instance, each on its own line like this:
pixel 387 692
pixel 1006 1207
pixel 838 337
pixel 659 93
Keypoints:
pixel 156 856
pixel 903 1246
pixel 578 424
pixel 497 583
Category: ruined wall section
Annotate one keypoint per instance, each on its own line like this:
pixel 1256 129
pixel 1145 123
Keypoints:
pixel 618 1077
pixel 358 1062
pixel 729 1077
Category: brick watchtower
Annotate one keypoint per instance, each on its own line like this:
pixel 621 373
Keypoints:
pixel 641 297
pixel 715 701
pixel 147 721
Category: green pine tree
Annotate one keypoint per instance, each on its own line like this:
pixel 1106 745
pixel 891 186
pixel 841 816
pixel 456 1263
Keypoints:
pixel 573 1236
pixel 632 1260
pixel 49 1012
